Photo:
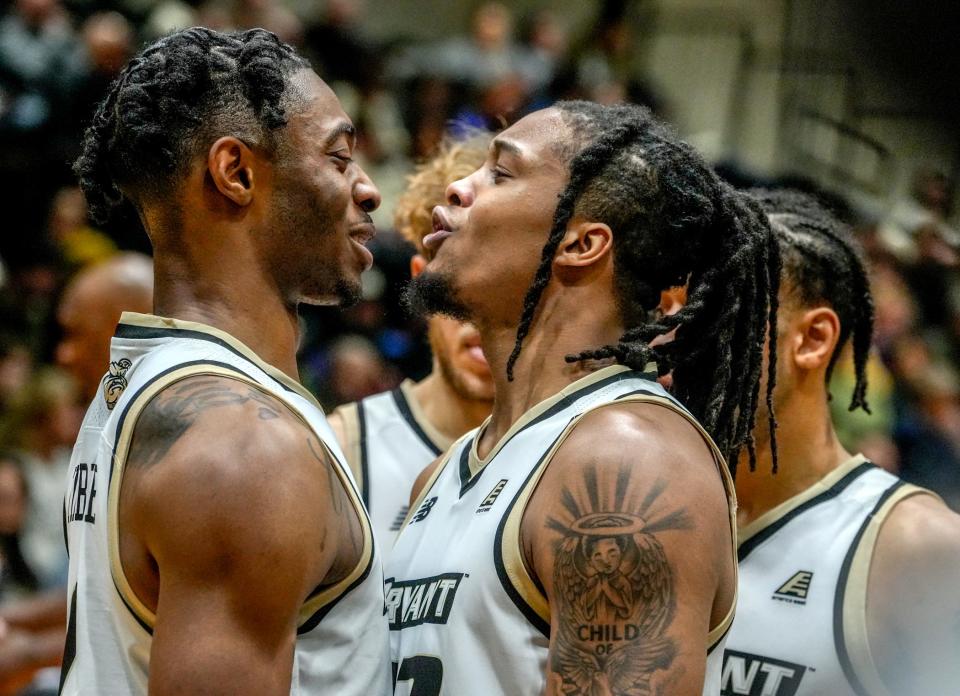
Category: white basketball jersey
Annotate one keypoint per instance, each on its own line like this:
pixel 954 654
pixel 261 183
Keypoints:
pixel 341 644
pixel 465 615
pixel 801 618
pixel 388 442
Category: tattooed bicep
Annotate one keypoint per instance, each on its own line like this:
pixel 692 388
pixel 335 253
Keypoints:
pixel 614 590
pixel 172 412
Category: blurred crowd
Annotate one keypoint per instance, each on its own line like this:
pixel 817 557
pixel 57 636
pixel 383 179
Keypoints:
pixel 63 280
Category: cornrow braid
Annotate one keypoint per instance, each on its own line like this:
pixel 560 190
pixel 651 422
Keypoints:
pixel 177 95
pixel 675 222
pixel 822 263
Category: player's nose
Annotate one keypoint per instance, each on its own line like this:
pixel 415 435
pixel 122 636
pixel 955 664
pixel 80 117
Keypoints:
pixel 460 193
pixel 365 193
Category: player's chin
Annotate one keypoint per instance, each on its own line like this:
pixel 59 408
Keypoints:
pixel 345 292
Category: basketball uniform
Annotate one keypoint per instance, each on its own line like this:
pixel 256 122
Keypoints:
pixel 465 615
pixel 801 618
pixel 341 643
pixel 388 442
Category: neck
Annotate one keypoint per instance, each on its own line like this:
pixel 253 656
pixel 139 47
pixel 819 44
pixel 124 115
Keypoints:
pixel 808 449
pixel 563 325
pixel 228 290
pixel 450 413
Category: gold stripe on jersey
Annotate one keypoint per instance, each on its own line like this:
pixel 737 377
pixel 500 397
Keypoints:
pixel 476 463
pixel 440 441
pixel 511 549
pixel 153 321
pixel 855 595
pixel 774 515
pixel 352 449
pixel 141 612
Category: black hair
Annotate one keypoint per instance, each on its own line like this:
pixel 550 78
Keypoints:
pixel 822 263
pixel 675 222
pixel 176 96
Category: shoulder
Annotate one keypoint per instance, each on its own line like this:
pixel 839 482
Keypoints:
pixel 920 535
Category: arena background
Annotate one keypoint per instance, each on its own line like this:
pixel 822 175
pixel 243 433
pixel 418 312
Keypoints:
pixel 854 99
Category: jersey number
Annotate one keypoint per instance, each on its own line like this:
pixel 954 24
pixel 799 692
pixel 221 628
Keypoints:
pixel 425 671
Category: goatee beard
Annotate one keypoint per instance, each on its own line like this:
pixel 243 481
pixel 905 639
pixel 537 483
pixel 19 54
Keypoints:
pixel 433 293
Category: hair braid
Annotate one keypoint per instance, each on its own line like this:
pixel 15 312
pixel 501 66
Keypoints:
pixel 175 97
pixel 824 264
pixel 674 223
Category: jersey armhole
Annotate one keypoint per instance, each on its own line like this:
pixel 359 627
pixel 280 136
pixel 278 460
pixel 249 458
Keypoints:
pixel 516 576
pixel 431 480
pixel 321 600
pixel 850 611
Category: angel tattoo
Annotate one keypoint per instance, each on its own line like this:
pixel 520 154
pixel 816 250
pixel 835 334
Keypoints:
pixel 616 592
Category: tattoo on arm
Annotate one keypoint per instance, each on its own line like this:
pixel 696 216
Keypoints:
pixel 614 587
pixel 170 414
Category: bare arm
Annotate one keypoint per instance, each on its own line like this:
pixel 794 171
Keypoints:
pixel 422 478
pixel 913 610
pixel 629 534
pixel 232 516
pixel 45 610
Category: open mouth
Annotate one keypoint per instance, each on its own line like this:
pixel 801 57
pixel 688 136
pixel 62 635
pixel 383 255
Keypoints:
pixel 441 230
pixel 360 235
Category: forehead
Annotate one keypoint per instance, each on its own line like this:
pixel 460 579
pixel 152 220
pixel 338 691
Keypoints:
pixel 318 112
pixel 536 136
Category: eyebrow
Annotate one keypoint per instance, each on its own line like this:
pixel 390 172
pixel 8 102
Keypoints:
pixel 344 127
pixel 506 145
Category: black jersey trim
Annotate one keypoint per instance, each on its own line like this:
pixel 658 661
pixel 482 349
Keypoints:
pixel 364 461
pixel 146 332
pixel 400 399
pixel 836 489
pixel 838 636
pixel 70 645
pixel 466 480
pixel 466 483
pixel 533 617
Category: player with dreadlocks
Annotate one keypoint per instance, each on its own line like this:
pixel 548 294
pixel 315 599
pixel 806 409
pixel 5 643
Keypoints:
pixel 218 544
pixel 847 574
pixel 581 541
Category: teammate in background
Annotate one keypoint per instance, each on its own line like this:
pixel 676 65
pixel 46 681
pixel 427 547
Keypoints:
pixel 90 308
pixel 217 542
pixel 582 540
pixel 391 437
pixel 848 575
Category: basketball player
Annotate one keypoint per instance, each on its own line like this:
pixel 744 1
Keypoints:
pixel 848 575
pixel 391 437
pixel 581 541
pixel 218 544
pixel 89 310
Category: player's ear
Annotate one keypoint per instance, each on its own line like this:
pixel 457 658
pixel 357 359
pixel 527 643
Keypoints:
pixel 417 264
pixel 584 244
pixel 230 167
pixel 818 331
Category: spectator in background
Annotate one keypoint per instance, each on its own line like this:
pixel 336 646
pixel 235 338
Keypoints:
pixel 41 426
pixel 78 242
pixel 16 577
pixel 89 310
pixel 488 55
pixel 357 370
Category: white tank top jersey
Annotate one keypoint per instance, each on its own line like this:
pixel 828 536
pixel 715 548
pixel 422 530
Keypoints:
pixel 388 442
pixel 341 645
pixel 465 615
pixel 801 619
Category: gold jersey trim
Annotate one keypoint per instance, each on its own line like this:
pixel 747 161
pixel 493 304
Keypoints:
pixel 511 550
pixel 854 610
pixel 316 601
pixel 152 321
pixel 352 446
pixel 476 463
pixel 775 514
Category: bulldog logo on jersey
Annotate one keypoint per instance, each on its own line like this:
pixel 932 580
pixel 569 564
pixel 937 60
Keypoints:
pixel 115 381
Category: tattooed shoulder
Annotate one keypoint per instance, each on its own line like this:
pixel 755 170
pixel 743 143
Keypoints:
pixel 173 411
pixel 613 585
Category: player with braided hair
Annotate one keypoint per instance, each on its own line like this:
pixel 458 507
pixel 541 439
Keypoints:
pixel 846 572
pixel 587 528
pixel 218 543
